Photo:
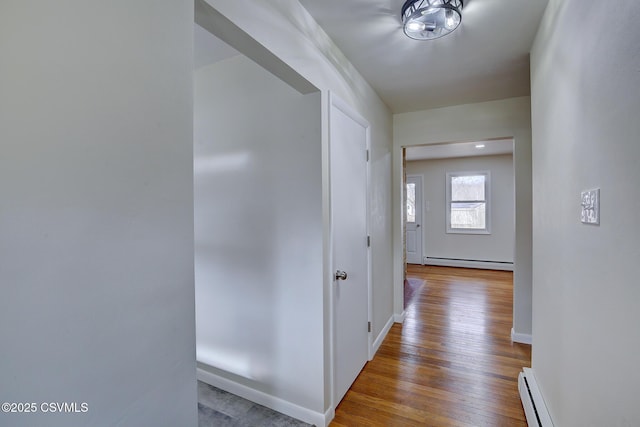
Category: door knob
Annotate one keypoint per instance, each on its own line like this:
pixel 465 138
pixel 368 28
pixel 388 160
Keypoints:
pixel 417 225
pixel 341 275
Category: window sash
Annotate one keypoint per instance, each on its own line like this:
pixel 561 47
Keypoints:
pixel 454 219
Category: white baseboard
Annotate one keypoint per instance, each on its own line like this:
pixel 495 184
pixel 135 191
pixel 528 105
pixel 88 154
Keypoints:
pixel 270 401
pixel 399 318
pixel 383 334
pixel 484 265
pixel 328 416
pixel 521 338
pixel 533 403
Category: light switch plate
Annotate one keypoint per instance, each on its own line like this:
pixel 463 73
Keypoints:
pixel 590 207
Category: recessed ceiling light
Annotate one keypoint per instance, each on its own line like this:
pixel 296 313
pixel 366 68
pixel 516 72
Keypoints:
pixel 480 145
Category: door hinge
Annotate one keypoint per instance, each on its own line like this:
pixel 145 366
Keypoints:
pixel 367 155
pixel 369 326
pixel 368 241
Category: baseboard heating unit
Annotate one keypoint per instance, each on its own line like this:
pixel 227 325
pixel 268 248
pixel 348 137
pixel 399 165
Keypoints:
pixel 468 263
pixel 532 401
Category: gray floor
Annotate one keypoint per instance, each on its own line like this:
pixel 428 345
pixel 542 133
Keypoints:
pixel 217 408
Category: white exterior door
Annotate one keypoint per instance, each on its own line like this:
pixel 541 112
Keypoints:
pixel 349 210
pixel 413 212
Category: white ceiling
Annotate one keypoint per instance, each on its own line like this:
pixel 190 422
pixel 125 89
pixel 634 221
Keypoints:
pixel 486 58
pixel 460 149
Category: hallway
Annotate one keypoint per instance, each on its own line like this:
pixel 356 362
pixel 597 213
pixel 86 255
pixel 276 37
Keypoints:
pixel 451 363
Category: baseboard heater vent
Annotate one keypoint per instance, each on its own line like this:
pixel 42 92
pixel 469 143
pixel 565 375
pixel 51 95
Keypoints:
pixel 532 401
pixel 469 263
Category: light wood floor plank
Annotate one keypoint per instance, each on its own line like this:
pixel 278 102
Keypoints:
pixel 451 363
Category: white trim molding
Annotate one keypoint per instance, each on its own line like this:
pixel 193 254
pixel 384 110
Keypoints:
pixel 399 318
pixel 270 401
pixel 521 338
pixel 381 336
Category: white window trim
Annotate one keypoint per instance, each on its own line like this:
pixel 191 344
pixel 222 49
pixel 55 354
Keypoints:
pixel 487 195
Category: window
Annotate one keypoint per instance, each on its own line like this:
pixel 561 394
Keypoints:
pixel 411 202
pixel 468 203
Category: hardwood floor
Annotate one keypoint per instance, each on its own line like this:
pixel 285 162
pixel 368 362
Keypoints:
pixel 451 363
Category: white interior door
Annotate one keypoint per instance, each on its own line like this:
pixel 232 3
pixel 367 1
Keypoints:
pixel 413 212
pixel 349 207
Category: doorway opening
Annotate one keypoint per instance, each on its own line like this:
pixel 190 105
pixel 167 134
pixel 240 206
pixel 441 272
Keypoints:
pixel 258 222
pixel 267 293
pixel 434 195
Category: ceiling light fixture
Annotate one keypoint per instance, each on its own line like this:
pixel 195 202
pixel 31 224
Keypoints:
pixel 431 19
pixel 480 146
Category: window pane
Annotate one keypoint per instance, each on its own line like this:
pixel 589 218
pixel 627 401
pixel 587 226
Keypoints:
pixel 470 187
pixel 468 215
pixel 411 202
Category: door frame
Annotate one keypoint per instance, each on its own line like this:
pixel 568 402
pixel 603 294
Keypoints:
pixel 493 126
pixel 420 179
pixel 336 102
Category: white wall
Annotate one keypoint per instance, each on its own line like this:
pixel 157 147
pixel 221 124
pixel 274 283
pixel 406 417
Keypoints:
pixel 509 118
pixel 96 211
pixel 497 246
pixel 586 305
pixel 286 29
pixel 258 231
